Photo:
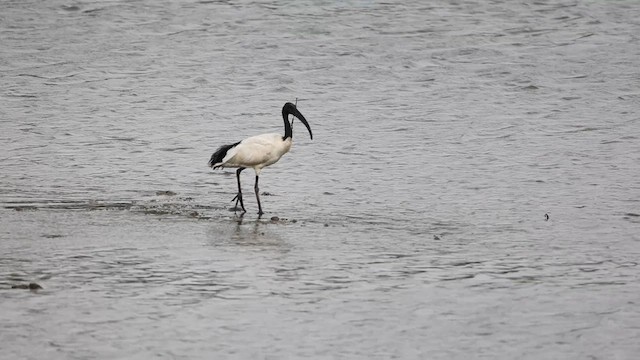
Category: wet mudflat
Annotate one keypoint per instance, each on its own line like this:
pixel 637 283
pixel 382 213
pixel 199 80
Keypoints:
pixel 412 226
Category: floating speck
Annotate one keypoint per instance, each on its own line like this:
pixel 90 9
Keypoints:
pixel 31 286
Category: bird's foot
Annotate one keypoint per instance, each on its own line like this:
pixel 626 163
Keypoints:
pixel 238 199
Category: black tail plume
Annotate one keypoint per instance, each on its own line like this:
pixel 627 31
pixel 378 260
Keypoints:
pixel 220 154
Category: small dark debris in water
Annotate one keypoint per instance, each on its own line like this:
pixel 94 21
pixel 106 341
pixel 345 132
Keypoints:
pixel 326 225
pixel 88 11
pixel 327 193
pixel 530 87
pixel 52 236
pixel 166 193
pixel 194 214
pixel 436 237
pixel 632 214
pixel 30 286
pixel 277 219
pixel 294 221
pixel 546 217
pixel 264 193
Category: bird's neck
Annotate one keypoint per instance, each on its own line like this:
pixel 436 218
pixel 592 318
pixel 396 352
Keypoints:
pixel 288 133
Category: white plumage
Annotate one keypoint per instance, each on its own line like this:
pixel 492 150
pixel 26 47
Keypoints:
pixel 257 152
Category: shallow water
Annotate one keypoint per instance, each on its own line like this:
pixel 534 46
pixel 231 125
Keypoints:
pixel 412 226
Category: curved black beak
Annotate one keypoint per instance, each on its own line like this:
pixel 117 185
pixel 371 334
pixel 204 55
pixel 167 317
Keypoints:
pixel 290 109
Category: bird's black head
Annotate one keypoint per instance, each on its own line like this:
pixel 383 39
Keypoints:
pixel 290 109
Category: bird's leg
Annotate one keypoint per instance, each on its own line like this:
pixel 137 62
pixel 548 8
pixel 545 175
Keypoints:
pixel 235 207
pixel 238 197
pixel 258 197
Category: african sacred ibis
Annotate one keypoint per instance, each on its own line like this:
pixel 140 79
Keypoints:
pixel 257 152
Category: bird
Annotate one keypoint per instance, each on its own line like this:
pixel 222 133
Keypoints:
pixel 258 152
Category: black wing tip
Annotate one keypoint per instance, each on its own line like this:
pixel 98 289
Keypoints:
pixel 219 155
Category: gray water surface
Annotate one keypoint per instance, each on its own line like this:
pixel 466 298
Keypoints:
pixel 412 226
